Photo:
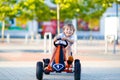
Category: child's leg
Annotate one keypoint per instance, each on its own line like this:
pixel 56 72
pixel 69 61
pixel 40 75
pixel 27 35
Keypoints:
pixel 68 50
pixel 64 51
pixel 53 50
pixel 70 57
pixel 53 53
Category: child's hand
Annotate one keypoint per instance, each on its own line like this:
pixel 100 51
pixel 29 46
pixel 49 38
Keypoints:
pixel 67 39
pixel 64 38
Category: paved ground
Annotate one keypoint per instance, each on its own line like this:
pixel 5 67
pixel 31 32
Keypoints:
pixel 88 74
pixel 26 71
pixel 18 61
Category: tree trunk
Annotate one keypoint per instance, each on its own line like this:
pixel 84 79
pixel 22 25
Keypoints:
pixel 3 29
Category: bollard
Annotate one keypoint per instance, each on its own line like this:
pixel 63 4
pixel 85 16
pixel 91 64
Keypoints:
pixel 106 46
pixel 109 39
pixel 8 38
pixel 32 36
pixel 45 42
pixel 114 49
pixel 38 37
pixel 26 38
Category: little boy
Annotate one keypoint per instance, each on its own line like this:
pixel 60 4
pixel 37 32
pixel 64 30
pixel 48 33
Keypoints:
pixel 67 34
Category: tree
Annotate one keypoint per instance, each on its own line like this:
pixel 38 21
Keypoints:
pixel 35 10
pixel 85 9
pixel 8 9
pixel 26 9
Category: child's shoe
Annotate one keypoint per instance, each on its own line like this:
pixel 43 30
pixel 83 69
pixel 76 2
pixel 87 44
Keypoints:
pixel 70 60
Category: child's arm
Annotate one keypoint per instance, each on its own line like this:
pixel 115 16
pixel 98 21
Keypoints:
pixel 55 38
pixel 69 40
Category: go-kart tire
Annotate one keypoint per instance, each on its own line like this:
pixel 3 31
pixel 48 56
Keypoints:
pixel 39 71
pixel 77 70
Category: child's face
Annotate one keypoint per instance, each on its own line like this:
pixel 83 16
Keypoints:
pixel 68 31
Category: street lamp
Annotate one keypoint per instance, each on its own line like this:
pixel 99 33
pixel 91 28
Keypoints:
pixel 117 15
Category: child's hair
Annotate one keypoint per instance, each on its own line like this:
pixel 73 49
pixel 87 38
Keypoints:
pixel 70 26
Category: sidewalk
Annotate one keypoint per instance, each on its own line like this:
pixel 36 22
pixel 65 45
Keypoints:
pixel 18 59
pixel 34 51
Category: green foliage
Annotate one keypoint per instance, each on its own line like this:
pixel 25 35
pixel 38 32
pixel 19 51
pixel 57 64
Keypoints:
pixel 85 9
pixel 35 9
pixel 8 9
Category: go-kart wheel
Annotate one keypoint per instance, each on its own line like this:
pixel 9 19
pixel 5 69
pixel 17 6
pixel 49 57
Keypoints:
pixel 39 70
pixel 77 70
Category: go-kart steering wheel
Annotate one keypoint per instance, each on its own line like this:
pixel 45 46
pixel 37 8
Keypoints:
pixel 61 42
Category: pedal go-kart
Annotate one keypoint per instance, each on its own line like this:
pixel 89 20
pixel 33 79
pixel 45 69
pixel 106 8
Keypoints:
pixel 58 63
